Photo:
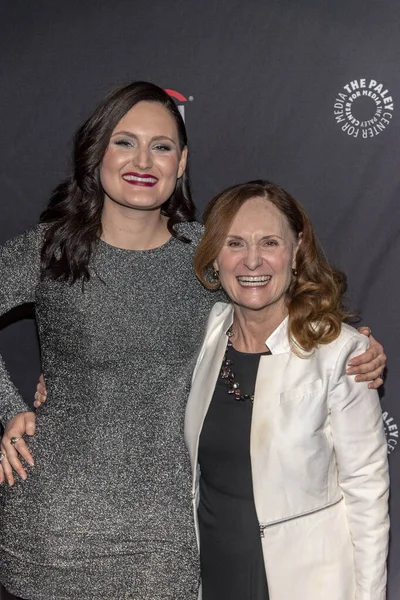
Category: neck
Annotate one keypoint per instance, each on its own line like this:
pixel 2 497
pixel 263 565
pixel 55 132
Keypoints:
pixel 132 229
pixel 252 327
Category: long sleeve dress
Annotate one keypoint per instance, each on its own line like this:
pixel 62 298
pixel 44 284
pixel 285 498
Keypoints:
pixel 105 513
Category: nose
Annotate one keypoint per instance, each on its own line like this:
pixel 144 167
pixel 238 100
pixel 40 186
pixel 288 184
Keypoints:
pixel 142 158
pixel 252 258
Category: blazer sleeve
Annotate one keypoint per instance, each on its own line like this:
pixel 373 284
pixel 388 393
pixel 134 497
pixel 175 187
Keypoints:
pixel 361 455
pixel 19 276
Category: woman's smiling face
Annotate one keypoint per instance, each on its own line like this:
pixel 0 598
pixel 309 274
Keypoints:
pixel 143 159
pixel 256 261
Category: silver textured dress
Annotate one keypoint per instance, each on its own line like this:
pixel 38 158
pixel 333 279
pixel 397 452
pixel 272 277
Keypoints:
pixel 106 511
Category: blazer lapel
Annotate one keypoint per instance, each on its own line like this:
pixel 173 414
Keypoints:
pixel 270 381
pixel 205 376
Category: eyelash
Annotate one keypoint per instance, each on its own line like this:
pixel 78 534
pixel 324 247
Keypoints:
pixel 234 244
pixel 163 147
pixel 129 144
pixel 123 143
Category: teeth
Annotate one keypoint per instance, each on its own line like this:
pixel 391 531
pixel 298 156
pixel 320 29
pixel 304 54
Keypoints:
pixel 140 179
pixel 254 281
pixel 255 278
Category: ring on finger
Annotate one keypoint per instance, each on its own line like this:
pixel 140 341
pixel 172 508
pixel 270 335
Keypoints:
pixel 2 455
pixel 369 329
pixel 14 440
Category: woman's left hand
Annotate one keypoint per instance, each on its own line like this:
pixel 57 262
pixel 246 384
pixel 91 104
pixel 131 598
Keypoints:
pixel 370 365
pixel 13 446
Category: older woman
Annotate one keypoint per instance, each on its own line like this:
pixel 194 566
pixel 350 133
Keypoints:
pixel 290 451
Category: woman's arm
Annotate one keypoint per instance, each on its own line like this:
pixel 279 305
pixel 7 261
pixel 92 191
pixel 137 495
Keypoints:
pixel 19 276
pixel 361 456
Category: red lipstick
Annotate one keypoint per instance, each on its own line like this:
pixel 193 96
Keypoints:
pixel 141 179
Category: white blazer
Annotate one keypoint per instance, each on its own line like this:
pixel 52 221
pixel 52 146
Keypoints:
pixel 319 465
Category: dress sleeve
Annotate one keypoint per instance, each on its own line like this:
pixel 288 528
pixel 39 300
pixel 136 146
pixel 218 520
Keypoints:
pixel 361 456
pixel 19 276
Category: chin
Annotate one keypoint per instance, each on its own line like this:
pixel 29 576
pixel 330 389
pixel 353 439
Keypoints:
pixel 252 305
pixel 144 205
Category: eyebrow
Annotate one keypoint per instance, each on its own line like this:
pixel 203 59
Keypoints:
pixel 153 139
pixel 265 237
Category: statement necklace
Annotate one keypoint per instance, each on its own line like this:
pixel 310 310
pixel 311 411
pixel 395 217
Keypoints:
pixel 228 375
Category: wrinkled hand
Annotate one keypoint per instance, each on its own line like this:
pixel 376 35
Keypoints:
pixel 370 365
pixel 22 424
pixel 41 392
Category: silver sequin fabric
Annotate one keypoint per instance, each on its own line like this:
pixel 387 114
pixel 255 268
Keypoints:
pixel 106 512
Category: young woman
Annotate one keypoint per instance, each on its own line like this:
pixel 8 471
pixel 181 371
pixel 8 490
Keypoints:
pixel 105 511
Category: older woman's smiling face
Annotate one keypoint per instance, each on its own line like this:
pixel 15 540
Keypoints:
pixel 255 264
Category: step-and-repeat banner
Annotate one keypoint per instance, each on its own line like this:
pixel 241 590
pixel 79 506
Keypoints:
pixel 305 94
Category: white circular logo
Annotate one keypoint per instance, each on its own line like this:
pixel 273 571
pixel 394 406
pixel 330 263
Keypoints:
pixel 363 108
pixel 391 431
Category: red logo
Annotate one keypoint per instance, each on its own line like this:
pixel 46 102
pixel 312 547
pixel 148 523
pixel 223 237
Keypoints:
pixel 176 95
pixel 180 100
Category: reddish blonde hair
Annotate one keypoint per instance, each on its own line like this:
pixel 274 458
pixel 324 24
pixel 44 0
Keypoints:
pixel 314 298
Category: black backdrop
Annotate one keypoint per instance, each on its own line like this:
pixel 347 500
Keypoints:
pixel 304 94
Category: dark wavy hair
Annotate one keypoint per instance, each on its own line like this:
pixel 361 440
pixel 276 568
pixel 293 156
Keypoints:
pixel 315 295
pixel 75 207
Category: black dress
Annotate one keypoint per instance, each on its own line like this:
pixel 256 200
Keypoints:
pixel 232 565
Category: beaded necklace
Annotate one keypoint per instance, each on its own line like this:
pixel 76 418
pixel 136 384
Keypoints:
pixel 228 375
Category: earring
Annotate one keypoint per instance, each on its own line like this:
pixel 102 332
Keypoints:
pixel 215 275
pixel 294 271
